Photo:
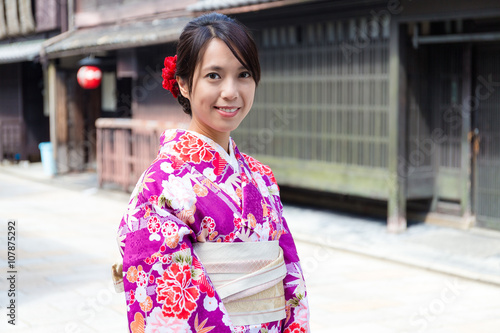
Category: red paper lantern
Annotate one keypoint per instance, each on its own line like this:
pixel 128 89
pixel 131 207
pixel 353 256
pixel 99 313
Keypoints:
pixel 89 77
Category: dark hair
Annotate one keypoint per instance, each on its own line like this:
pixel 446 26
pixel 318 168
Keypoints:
pixel 194 39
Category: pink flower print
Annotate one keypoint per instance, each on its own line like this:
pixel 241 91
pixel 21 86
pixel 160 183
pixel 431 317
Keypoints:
pixel 159 323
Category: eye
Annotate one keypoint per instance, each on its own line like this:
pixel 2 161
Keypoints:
pixel 245 75
pixel 213 76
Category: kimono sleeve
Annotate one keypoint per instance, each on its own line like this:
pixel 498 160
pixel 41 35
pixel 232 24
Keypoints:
pixel 297 307
pixel 166 287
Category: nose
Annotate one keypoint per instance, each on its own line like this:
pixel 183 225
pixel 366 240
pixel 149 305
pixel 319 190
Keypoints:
pixel 229 90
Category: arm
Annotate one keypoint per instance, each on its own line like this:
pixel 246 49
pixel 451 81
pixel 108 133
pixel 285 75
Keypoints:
pixel 297 308
pixel 165 284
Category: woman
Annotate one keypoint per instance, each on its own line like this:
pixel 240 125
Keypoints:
pixel 205 247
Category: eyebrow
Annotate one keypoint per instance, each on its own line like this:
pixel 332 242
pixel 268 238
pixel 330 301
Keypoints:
pixel 218 68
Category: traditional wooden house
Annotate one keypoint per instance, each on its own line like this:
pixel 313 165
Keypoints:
pixel 23 29
pixel 395 101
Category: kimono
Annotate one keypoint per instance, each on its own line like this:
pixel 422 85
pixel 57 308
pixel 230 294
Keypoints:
pixel 194 191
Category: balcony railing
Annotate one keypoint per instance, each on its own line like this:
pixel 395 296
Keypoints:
pixel 126 147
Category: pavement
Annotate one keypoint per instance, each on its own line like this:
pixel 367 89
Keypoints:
pixel 473 254
pixel 360 277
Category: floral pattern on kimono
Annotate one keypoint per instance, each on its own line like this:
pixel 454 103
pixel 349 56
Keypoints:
pixel 194 191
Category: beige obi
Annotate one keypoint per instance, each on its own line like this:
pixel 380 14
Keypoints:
pixel 248 277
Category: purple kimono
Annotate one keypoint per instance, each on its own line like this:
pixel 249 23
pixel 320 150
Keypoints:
pixel 194 191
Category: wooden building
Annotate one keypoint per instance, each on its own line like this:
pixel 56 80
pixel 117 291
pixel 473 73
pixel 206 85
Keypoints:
pixel 389 100
pixel 23 29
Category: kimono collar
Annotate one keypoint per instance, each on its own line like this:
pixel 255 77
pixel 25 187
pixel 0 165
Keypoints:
pixel 230 158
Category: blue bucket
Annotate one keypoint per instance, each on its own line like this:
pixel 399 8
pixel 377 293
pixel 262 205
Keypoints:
pixel 48 161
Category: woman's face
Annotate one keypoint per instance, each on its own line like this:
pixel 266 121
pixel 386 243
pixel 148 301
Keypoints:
pixel 222 93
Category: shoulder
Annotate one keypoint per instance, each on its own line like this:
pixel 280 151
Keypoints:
pixel 166 163
pixel 259 167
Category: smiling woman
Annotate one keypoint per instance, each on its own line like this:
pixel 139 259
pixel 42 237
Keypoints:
pixel 221 94
pixel 204 242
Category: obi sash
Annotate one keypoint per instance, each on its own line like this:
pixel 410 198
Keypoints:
pixel 248 277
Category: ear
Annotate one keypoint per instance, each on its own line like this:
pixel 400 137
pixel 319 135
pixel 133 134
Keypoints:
pixel 183 87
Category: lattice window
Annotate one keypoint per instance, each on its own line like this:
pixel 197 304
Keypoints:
pixel 323 95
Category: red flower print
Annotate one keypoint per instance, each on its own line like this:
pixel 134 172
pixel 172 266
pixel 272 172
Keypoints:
pixel 208 223
pixel 176 162
pixel 166 259
pixel 142 278
pixel 229 238
pixel 256 166
pixel 153 200
pixel 154 224
pixel 176 293
pixel 237 223
pixel 193 149
pixel 170 231
pixel 219 164
pixel 295 328
pixel 132 297
pixel 202 281
pixel 148 212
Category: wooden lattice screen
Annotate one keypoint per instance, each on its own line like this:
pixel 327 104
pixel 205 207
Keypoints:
pixel 320 117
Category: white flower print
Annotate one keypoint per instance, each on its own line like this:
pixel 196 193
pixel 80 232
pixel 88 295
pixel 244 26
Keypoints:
pixel 301 312
pixel 140 294
pixel 273 189
pixel 166 167
pixel 261 232
pixel 262 184
pixel 225 317
pixel 158 323
pixel 209 173
pixel 210 303
pixel 179 192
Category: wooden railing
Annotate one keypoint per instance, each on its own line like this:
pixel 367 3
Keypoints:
pixel 126 147
pixel 12 139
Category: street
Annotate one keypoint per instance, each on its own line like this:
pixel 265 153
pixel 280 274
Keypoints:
pixel 65 245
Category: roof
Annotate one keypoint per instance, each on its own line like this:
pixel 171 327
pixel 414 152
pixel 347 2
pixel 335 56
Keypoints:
pixel 102 38
pixel 26 50
pixel 208 5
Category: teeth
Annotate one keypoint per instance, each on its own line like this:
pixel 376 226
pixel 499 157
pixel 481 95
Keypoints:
pixel 228 110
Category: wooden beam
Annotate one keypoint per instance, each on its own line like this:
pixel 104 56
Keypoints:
pixel 50 96
pixel 396 219
pixel 466 175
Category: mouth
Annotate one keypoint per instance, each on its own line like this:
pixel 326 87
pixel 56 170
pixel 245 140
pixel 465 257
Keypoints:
pixel 227 109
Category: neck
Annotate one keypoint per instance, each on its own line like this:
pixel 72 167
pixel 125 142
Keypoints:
pixel 221 138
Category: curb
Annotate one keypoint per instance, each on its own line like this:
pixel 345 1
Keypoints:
pixel 401 259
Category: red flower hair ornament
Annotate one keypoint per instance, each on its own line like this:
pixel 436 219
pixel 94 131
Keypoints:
pixel 168 75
